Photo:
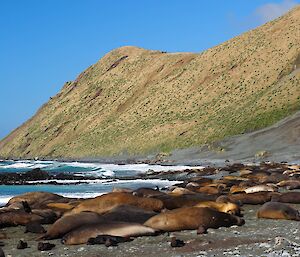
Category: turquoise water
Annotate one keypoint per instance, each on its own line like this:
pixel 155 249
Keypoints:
pixel 110 175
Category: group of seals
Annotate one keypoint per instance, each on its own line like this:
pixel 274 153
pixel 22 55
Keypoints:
pixel 196 204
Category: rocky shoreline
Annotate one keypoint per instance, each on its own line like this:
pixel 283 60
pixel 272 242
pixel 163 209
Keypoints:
pixel 38 176
pixel 33 177
pixel 228 192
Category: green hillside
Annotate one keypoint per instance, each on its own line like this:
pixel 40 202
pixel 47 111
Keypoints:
pixel 137 101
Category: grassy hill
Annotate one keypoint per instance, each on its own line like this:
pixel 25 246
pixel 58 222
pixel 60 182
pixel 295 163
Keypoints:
pixel 137 101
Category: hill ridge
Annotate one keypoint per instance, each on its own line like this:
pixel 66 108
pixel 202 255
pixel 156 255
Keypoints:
pixel 135 100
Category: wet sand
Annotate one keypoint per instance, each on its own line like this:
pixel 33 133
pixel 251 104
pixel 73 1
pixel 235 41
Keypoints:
pixel 258 237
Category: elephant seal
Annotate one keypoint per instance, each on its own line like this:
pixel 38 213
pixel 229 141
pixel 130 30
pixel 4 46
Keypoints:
pixel 147 192
pixel 289 184
pixel 128 213
pixel 209 190
pixel 253 198
pixel 235 178
pixel 35 199
pixel 189 218
pixel 120 229
pixel 260 188
pixel 294 167
pixel 63 207
pixel 106 202
pixel 186 200
pixel 273 178
pixel 181 191
pixel 237 189
pixel 228 207
pixel 49 216
pixel 18 217
pixel 67 223
pixel 289 197
pixel 276 210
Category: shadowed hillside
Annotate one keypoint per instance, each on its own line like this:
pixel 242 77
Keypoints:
pixel 136 101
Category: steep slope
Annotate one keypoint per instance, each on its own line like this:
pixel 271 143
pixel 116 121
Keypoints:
pixel 139 101
pixel 279 142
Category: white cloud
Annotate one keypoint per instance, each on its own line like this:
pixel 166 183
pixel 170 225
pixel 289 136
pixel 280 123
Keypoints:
pixel 272 11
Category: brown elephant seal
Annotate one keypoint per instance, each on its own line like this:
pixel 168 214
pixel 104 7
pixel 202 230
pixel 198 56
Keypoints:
pixel 235 178
pixel 34 199
pixel 226 199
pixel 289 184
pixel 189 218
pixel 147 192
pixel 289 197
pixel 209 190
pixel 181 191
pixel 244 172
pixel 106 202
pixel 121 229
pixel 128 213
pixel 49 216
pixel 18 217
pixel 67 223
pixel 201 181
pixel 276 210
pixel 227 207
pixel 260 188
pixel 62 207
pixel 273 178
pixel 294 167
pixel 237 189
pixel 253 198
pixel 186 200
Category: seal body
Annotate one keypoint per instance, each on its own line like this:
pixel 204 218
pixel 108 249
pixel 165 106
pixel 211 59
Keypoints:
pixel 120 229
pixel 289 197
pixel 228 207
pixel 253 198
pixel 105 203
pixel 128 213
pixel 67 223
pixel 289 184
pixel 189 218
pixel 36 199
pixel 260 188
pixel 18 217
pixel 186 200
pixel 276 210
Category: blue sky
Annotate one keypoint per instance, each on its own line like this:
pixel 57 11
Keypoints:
pixel 45 43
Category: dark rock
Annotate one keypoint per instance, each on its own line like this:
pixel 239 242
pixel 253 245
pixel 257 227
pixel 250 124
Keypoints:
pixel 108 240
pixel 176 242
pixel 36 174
pixel 22 245
pixel 45 246
pixel 34 227
pixel 2 253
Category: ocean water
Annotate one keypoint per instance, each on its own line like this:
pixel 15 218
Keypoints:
pixel 109 176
